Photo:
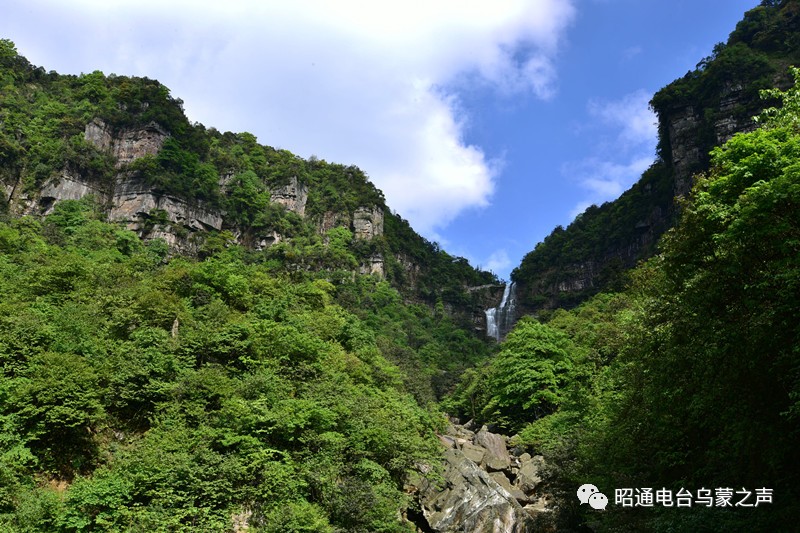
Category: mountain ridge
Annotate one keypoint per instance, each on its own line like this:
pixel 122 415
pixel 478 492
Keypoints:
pixel 695 113
pixel 127 141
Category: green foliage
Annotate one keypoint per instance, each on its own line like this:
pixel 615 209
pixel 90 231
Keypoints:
pixel 755 55
pixel 177 171
pixel 440 277
pixel 788 114
pixel 55 404
pixel 605 241
pixel 175 395
pixel 525 381
pixel 527 376
pixel 267 382
pixel 690 377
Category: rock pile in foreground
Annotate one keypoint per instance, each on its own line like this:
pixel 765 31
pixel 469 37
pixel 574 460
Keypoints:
pixel 485 488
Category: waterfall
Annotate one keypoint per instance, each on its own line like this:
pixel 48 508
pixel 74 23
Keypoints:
pixel 500 319
pixel 491 324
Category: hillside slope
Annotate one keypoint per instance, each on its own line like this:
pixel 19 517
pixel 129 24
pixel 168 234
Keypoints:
pixel 127 142
pixel 202 333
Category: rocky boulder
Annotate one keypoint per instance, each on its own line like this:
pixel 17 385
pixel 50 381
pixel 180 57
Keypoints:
pixel 469 499
pixel 485 486
pixel 496 457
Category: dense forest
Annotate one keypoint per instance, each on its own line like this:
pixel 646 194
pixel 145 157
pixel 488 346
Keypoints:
pixel 285 388
pixel 148 390
pixel 689 378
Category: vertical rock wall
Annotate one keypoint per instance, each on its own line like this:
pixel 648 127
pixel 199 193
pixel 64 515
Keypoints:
pixel 293 196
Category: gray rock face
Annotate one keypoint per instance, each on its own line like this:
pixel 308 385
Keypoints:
pixel 152 214
pixel 99 134
pixel 474 497
pixel 685 152
pixel 496 457
pixel 330 220
pixel 368 222
pixel 66 188
pixel 293 196
pixel 128 198
pixel 8 190
pixel 127 145
pixel 133 200
pixel 471 501
pixel 502 480
pixel 683 128
pixel 529 475
pixel 473 452
pixel 374 265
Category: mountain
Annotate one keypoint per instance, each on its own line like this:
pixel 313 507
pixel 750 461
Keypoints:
pixel 662 383
pixel 697 112
pixel 202 333
pixel 127 143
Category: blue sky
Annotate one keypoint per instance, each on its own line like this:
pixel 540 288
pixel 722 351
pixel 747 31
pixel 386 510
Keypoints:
pixel 486 124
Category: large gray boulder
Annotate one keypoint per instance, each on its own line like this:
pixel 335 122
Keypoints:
pixel 529 475
pixel 468 500
pixel 496 457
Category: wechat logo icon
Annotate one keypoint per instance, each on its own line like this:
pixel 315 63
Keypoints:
pixel 588 493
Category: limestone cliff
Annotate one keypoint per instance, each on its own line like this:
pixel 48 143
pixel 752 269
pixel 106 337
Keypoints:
pixel 293 196
pixel 153 171
pixel 181 222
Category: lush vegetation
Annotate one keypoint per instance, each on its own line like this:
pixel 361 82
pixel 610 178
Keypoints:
pixel 145 391
pixel 608 239
pixel 144 394
pixel 689 378
pixel 42 121
pixel 140 390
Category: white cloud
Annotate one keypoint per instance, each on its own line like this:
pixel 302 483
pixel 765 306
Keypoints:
pixel 498 262
pixel 625 133
pixel 606 180
pixel 632 115
pixel 355 82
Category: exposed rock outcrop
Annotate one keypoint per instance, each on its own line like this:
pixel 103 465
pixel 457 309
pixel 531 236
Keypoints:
pixel 485 488
pixel 126 145
pixel 685 153
pixel 293 196
pixel 368 222
pixel 129 199
pixel 160 216
pixel 66 187
pixel 373 265
pixel 695 113
pixel 688 147
pixel 330 220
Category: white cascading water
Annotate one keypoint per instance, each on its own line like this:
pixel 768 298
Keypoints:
pixel 500 319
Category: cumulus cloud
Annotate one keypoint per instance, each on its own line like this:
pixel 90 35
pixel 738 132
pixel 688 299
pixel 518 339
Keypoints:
pixel 368 83
pixel 626 134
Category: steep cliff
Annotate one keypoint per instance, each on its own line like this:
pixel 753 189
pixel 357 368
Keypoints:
pixel 697 112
